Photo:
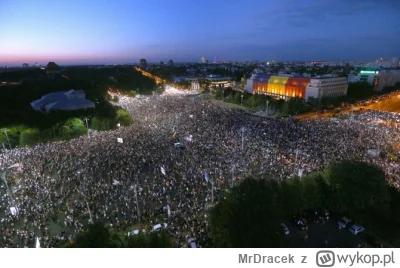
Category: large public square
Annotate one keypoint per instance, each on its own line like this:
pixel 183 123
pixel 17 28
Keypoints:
pixel 168 167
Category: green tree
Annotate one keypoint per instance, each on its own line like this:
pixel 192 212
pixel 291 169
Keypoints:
pixel 124 118
pixel 248 216
pixel 152 240
pixel 251 101
pixel 97 236
pixel 357 188
pixel 115 98
pixel 238 97
pixel 76 126
pixel 292 196
pixel 103 123
pixel 360 90
pixel 295 105
pixel 64 132
pixel 29 137
pixel 311 192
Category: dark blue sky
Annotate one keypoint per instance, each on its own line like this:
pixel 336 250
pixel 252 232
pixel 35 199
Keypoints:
pixel 100 31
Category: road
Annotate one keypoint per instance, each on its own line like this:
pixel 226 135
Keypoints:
pixel 9 84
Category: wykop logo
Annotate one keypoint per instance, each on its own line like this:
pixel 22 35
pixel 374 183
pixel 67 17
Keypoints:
pixel 325 258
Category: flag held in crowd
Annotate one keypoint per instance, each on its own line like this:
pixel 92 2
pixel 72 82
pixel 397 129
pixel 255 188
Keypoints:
pixel 163 171
pixel 300 173
pixel 116 182
pixel 206 176
pixel 120 140
pixel 189 138
pixel 48 164
pixel 169 210
pixel 17 165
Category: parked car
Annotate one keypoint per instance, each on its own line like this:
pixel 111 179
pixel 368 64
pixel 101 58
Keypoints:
pixel 343 222
pixel 160 226
pixel 285 229
pixel 356 229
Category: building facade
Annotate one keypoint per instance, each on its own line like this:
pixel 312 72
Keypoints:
pixel 387 78
pixel 379 79
pixel 281 87
pixel 326 87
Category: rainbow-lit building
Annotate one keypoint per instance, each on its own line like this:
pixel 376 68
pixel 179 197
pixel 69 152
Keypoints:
pixel 285 87
pixel 282 87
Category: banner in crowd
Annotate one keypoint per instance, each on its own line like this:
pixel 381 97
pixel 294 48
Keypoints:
pixel 163 171
pixel 206 176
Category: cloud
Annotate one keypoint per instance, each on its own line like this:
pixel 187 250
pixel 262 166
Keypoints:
pixel 299 14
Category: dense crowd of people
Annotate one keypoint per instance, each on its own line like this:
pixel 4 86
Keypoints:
pixel 170 166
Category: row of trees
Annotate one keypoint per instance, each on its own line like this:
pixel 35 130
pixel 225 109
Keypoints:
pixel 249 215
pixel 22 135
pixel 293 106
pixel 99 236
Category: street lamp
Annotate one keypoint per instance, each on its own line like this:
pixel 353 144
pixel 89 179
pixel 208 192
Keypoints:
pixel 86 119
pixel 233 174
pixel 4 179
pixel 241 103
pixel 352 109
pixel 8 140
pixel 87 206
pixel 267 102
pixel 137 203
pixel 295 161
pixel 243 130
pixel 87 124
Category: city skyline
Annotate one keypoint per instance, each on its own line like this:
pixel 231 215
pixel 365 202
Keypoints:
pixel 78 32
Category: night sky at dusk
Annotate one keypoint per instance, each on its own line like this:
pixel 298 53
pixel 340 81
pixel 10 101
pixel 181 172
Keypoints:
pixel 123 31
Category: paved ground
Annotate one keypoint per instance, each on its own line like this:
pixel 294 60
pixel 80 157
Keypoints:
pixel 321 235
pixel 391 104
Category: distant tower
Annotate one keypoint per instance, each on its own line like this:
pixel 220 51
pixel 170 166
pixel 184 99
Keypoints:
pixel 143 63
pixel 170 63
pixel 161 63
pixel 216 59
pixel 203 60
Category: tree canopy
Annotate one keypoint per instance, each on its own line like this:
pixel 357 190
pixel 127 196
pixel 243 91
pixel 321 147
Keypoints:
pixel 249 215
pixel 99 236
